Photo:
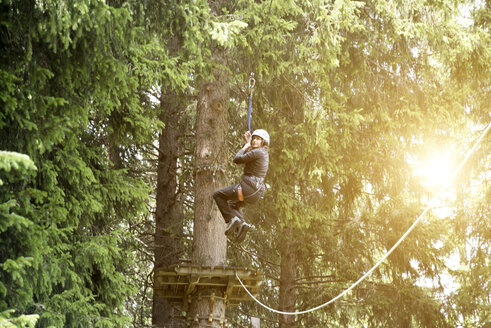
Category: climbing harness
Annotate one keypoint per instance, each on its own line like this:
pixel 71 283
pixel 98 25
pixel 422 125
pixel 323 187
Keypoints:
pixel 240 195
pixel 430 205
pixel 252 83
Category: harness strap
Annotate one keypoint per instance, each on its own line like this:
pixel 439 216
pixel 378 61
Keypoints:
pixel 239 193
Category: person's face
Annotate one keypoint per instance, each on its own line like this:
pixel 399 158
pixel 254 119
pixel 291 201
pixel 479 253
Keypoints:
pixel 256 142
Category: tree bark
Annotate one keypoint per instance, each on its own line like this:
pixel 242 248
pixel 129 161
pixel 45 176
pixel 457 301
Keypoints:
pixel 169 222
pixel 210 242
pixel 287 278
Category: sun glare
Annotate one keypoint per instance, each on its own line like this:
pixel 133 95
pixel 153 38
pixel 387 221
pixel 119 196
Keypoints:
pixel 436 170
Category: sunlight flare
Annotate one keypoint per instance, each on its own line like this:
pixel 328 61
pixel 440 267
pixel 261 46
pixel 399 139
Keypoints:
pixel 436 170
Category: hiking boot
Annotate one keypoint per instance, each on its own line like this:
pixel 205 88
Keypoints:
pixel 243 229
pixel 233 225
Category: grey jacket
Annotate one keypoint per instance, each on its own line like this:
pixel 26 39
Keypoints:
pixel 256 166
pixel 256 162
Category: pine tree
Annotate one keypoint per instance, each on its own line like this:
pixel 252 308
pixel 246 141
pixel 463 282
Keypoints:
pixel 73 101
pixel 209 243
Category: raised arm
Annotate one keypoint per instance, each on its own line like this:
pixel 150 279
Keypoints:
pixel 244 156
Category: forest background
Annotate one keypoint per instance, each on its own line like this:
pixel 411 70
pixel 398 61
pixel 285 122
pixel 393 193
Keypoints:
pixel 97 136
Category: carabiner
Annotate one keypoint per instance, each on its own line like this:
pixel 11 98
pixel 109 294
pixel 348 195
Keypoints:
pixel 252 82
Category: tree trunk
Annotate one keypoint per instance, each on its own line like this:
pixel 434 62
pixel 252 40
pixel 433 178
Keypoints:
pixel 169 224
pixel 287 278
pixel 210 242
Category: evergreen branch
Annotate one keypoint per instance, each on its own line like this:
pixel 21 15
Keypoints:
pixel 314 277
pixel 242 249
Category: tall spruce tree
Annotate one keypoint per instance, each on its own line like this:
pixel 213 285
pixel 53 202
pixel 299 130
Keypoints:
pixel 72 76
pixel 168 239
pixel 210 243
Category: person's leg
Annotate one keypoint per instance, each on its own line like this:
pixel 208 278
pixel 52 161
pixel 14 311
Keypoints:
pixel 235 206
pixel 222 197
pixel 242 230
pixel 237 219
pixel 251 196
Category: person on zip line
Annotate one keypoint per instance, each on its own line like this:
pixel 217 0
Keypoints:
pixel 254 155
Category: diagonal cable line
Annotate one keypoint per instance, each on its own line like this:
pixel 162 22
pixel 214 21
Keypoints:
pixel 430 205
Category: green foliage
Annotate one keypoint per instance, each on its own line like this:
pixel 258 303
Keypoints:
pixel 223 33
pixel 76 77
pixel 23 321
pixel 16 161
pixel 348 90
pixel 12 164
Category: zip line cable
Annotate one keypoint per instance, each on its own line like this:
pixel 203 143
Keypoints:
pixel 430 205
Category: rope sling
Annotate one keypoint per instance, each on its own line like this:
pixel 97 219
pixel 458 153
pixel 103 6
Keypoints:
pixel 252 83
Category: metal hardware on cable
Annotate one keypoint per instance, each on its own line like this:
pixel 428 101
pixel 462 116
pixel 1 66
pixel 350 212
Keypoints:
pixel 420 217
pixel 252 83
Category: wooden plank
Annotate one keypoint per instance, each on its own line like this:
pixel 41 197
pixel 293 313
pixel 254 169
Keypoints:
pixel 179 282
pixel 166 273
pixel 165 283
pixel 210 284
pixel 230 286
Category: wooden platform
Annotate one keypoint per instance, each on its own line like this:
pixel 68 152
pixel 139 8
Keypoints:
pixel 181 283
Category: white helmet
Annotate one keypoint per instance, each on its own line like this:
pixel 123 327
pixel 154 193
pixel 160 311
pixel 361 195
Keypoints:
pixel 263 134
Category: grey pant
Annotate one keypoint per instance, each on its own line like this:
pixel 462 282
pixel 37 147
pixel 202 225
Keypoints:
pixel 228 202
